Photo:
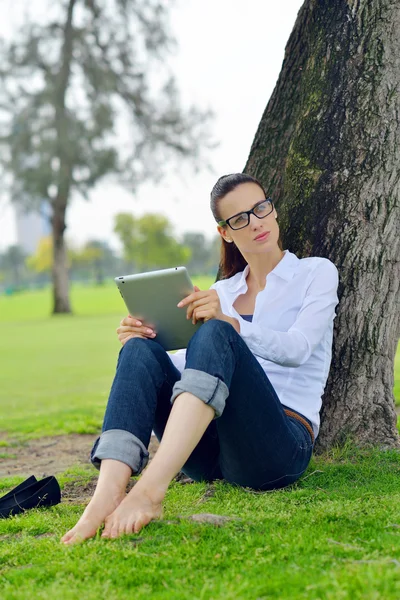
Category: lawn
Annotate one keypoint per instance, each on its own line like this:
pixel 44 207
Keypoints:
pixel 334 534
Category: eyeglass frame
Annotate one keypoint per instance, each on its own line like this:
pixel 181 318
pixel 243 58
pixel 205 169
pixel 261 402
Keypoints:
pixel 248 213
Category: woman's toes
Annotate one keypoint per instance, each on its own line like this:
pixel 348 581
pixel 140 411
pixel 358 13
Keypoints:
pixel 129 526
pixel 141 522
pixel 83 530
pixel 67 536
pixel 76 538
pixel 131 516
pixel 114 529
pixel 121 529
pixel 108 525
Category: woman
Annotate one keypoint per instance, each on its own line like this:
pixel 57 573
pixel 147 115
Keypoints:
pixel 242 402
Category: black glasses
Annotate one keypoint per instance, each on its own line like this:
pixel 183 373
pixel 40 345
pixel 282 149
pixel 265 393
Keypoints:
pixel 260 210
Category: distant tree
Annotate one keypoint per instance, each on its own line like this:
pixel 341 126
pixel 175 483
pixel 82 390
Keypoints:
pixel 200 249
pixel 42 259
pixel 77 105
pixel 13 262
pixel 205 253
pixel 148 242
pixel 97 258
pixel 214 259
pixel 125 226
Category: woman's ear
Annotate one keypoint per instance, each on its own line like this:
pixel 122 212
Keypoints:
pixel 222 231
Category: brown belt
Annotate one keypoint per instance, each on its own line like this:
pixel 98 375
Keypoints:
pixel 290 413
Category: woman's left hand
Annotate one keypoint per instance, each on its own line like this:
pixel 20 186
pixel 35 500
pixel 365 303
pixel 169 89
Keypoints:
pixel 202 305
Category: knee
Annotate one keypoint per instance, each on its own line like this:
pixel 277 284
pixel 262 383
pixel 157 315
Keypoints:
pixel 212 334
pixel 215 327
pixel 143 348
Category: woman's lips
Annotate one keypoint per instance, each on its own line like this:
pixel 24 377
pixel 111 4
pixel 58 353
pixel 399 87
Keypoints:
pixel 263 237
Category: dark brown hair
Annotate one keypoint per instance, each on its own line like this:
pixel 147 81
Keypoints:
pixel 231 259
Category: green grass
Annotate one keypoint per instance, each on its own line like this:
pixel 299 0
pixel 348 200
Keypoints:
pixel 396 389
pixel 334 534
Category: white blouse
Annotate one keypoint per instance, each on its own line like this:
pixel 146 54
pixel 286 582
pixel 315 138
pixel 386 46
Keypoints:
pixel 292 328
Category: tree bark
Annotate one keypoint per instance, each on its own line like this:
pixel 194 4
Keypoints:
pixel 327 151
pixel 61 302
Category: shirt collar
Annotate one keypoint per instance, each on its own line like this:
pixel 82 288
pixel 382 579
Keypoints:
pixel 285 269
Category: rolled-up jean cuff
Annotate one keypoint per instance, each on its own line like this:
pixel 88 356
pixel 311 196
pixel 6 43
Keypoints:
pixel 212 390
pixel 121 445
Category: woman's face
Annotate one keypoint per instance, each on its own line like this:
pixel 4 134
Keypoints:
pixel 242 198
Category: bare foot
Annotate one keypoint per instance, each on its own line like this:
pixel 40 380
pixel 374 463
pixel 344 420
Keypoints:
pixel 137 509
pixel 99 507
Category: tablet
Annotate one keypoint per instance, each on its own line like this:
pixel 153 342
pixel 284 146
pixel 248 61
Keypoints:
pixel 152 297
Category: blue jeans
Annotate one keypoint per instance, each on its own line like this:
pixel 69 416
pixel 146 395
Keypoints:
pixel 250 442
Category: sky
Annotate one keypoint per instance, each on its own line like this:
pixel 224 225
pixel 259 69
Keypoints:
pixel 229 57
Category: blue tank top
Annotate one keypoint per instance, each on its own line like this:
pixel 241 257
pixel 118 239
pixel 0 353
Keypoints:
pixel 247 317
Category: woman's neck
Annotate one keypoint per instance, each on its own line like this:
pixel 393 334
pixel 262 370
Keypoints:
pixel 260 265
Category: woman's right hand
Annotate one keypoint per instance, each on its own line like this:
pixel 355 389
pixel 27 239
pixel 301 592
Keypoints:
pixel 131 327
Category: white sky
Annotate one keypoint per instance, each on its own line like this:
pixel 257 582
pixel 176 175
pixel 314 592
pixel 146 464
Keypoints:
pixel 230 55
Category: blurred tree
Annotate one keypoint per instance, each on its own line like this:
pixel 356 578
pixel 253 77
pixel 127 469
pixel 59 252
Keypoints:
pixel 125 226
pixel 148 242
pixel 42 260
pixel 66 82
pixel 157 247
pixel 205 253
pixel 213 262
pixel 13 261
pixel 97 257
pixel 200 249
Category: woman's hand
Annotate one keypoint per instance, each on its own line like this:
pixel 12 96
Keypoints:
pixel 203 305
pixel 131 327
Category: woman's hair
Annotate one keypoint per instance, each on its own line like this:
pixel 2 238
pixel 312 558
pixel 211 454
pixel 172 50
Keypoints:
pixel 231 259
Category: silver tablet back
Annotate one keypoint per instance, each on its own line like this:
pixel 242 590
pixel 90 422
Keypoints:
pixel 152 297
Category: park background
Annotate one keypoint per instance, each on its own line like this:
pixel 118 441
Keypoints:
pixel 334 534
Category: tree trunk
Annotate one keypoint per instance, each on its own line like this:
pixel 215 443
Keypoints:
pixel 327 151
pixel 60 270
pixel 61 302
